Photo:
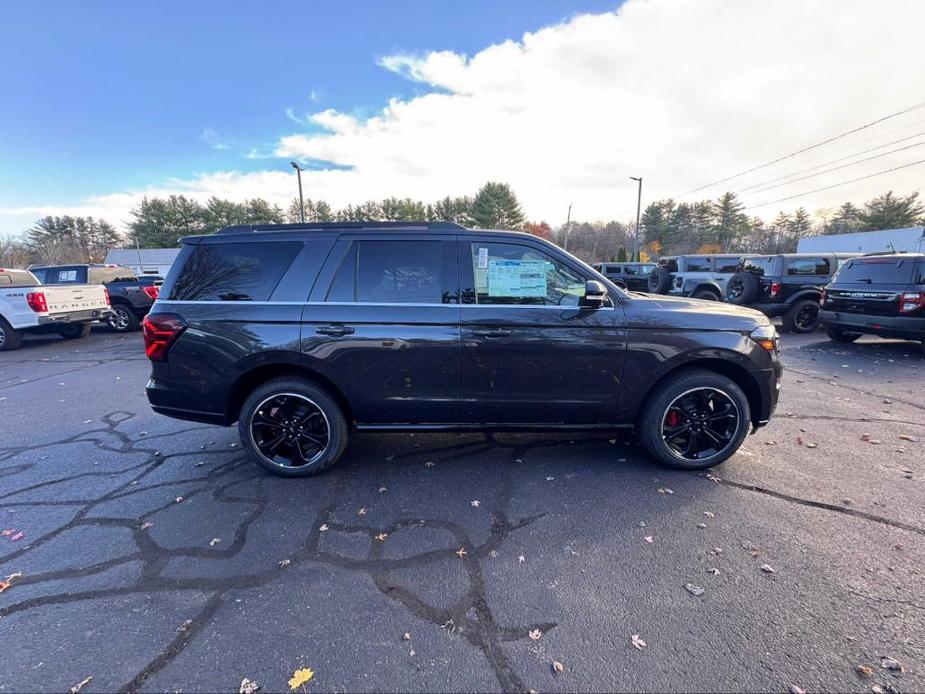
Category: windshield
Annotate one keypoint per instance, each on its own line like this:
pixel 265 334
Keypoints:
pixel 876 271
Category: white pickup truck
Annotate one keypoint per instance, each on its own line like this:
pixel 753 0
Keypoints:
pixel 28 305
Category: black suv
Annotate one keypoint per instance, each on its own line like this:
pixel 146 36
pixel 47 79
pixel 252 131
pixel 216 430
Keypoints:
pixel 788 285
pixel 302 332
pixel 632 276
pixel 877 295
pixel 131 296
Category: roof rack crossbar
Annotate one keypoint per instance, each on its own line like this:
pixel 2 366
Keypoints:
pixel 423 226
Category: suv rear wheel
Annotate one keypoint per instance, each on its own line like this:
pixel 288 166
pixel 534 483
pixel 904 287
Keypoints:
pixel 292 427
pixel 841 335
pixel 802 317
pixel 694 420
pixel 10 338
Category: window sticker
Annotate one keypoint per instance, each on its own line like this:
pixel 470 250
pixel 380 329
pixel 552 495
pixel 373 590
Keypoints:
pixel 517 278
pixel 483 258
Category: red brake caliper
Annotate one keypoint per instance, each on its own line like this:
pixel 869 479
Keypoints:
pixel 673 419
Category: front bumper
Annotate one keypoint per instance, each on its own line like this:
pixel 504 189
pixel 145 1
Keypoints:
pixel 88 316
pixel 900 327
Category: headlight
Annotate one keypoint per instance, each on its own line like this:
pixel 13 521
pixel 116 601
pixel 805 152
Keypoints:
pixel 766 336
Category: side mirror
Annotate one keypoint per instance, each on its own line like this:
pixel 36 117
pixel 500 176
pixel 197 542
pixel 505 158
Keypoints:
pixel 595 294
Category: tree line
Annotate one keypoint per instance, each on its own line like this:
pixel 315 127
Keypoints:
pixel 667 227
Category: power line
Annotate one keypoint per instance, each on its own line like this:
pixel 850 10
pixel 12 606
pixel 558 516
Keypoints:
pixel 834 161
pixel 805 149
pixel 836 185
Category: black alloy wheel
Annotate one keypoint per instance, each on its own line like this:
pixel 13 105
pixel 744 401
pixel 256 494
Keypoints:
pixel 700 424
pixel 289 430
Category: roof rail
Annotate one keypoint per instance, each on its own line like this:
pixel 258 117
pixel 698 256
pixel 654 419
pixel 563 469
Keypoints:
pixel 309 226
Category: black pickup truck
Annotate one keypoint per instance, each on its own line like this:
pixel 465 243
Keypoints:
pixel 131 296
pixel 877 295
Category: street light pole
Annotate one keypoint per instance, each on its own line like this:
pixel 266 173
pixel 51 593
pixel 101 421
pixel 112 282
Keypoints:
pixel 298 171
pixel 568 224
pixel 638 209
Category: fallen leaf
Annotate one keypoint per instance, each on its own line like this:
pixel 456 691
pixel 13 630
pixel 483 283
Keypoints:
pixel 200 464
pixel 665 490
pixel 429 463
pixel 411 652
pixel 908 437
pixel 18 536
pixel 534 634
pixel 701 525
pixel 550 479
pixel 179 499
pixel 557 667
pixel 713 570
pixel 284 563
pixel 214 541
pixel 248 686
pixel 890 664
pixel 77 687
pixel 9 580
pixel 362 511
pixel 383 489
pixel 796 690
pixel 300 677
pixel 637 642
pixel 323 527
pixel 716 550
pixel 649 539
pixel 813 445
pixel 770 443
pixel 406 636
pixel 694 590
pixel 521 559
pixel 475 503
pixel 767 568
pixel 865 671
pixel 461 552
pixel 709 514
pixel 714 478
pixel 146 525
pixel 381 537
pixel 185 626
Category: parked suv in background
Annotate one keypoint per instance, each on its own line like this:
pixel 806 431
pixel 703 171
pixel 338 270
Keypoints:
pixel 131 296
pixel 696 276
pixel 788 285
pixel 631 276
pixel 877 295
pixel 302 332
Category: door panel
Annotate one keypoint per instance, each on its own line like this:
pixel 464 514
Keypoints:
pixel 535 362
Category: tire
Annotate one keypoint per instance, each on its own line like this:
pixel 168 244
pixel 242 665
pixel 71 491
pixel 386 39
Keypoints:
pixel 706 295
pixel 287 405
pixel 75 331
pixel 841 335
pixel 659 280
pixel 10 337
pixel 742 288
pixel 801 318
pixel 123 319
pixel 673 397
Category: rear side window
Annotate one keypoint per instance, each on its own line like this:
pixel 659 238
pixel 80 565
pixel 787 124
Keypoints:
pixel 727 265
pixel 233 271
pixel 876 271
pixel 760 266
pixel 698 265
pixel 403 272
pixel 809 266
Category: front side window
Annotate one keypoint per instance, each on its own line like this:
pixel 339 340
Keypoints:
pixel 808 266
pixel 233 271
pixel 521 275
pixel 404 272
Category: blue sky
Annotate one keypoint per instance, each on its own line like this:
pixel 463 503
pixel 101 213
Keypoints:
pixel 104 96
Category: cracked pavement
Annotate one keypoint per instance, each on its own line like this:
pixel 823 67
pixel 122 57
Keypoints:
pixel 154 557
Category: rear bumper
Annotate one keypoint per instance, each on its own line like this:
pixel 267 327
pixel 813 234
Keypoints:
pixel 901 327
pixel 164 401
pixel 88 316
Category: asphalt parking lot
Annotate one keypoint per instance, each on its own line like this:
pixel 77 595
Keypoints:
pixel 148 554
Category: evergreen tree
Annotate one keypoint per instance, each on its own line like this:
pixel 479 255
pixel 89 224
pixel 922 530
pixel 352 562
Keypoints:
pixel 621 255
pixel 845 221
pixel 731 222
pixel 496 207
pixel 890 211
pixel 71 239
pixel 158 223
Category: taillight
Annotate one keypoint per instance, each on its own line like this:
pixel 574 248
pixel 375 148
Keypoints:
pixel 37 302
pixel 152 291
pixel 911 301
pixel 775 288
pixel 160 332
pixel 106 296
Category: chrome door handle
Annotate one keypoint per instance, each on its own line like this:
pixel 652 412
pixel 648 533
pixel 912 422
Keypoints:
pixel 334 330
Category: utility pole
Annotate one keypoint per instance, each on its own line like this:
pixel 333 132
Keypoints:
pixel 568 224
pixel 298 171
pixel 638 209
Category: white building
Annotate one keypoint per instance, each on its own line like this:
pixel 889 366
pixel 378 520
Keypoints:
pixel 911 239
pixel 144 261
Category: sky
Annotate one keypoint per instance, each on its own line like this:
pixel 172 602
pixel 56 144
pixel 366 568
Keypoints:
pixel 102 103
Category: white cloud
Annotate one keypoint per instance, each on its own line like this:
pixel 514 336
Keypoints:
pixel 679 92
pixel 213 139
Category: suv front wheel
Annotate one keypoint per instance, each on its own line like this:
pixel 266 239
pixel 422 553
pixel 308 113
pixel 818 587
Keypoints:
pixel 292 427
pixel 694 420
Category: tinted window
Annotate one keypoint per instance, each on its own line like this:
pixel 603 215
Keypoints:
pixel 876 271
pixel 759 265
pixel 344 285
pixel 698 265
pixel 808 266
pixel 399 272
pixel 727 264
pixel 233 271
pixel 512 274
pixel 40 274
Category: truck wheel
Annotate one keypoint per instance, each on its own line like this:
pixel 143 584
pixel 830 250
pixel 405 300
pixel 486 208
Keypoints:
pixel 292 427
pixel 75 331
pixel 841 335
pixel 659 280
pixel 742 288
pixel 122 319
pixel 802 317
pixel 695 419
pixel 10 337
